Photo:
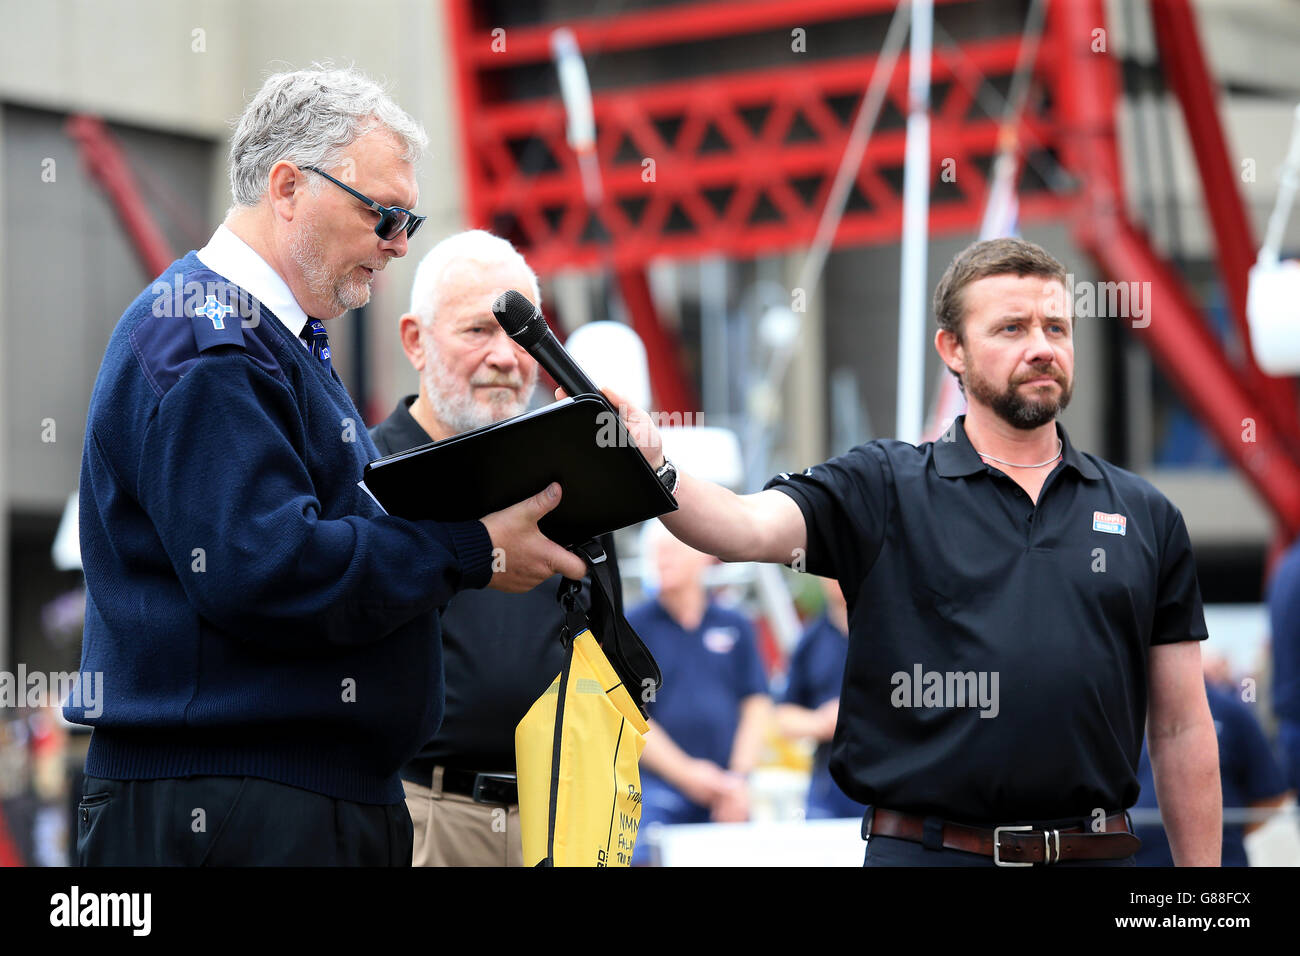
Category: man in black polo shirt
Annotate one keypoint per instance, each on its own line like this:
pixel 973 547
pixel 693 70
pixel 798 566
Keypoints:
pixel 1017 608
pixel 499 653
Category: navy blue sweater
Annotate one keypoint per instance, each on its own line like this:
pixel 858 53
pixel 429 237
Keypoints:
pixel 251 610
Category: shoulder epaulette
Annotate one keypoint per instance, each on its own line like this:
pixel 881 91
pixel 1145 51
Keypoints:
pixel 218 310
pixel 216 323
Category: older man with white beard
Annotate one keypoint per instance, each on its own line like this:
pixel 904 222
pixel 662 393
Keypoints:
pixel 501 651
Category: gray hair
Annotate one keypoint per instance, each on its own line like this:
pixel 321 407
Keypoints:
pixel 475 245
pixel 309 117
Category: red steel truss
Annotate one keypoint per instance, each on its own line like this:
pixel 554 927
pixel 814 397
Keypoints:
pixel 730 178
pixel 1251 416
pixel 742 161
pixel 109 166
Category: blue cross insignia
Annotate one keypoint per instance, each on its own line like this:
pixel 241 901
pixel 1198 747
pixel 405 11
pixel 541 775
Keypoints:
pixel 216 312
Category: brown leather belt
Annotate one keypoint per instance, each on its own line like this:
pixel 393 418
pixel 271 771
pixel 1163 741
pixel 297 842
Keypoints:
pixel 1014 846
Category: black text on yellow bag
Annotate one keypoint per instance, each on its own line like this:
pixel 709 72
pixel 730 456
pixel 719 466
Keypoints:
pixel 577 749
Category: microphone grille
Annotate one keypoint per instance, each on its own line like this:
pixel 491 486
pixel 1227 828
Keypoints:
pixel 521 320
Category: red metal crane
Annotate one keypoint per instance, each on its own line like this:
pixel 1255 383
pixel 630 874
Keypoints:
pixel 109 167
pixel 743 160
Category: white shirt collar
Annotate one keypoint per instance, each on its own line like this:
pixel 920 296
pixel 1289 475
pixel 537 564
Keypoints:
pixel 232 258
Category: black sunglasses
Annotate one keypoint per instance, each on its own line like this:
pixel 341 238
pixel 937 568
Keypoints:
pixel 392 219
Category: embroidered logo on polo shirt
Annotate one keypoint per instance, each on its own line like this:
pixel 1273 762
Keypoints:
pixel 720 640
pixel 1111 524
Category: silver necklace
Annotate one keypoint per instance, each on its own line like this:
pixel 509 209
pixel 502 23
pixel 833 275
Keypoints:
pixel 1059 445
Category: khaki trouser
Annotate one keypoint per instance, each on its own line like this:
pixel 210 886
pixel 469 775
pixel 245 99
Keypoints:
pixel 453 830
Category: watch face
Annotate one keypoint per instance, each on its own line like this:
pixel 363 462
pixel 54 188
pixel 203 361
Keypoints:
pixel 668 476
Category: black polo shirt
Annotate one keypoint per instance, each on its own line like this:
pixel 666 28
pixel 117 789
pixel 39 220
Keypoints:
pixel 500 651
pixel 997 664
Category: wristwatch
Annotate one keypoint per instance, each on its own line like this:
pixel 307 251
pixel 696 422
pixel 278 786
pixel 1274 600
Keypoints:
pixel 667 475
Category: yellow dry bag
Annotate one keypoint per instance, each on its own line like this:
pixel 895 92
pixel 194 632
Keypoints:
pixel 577 749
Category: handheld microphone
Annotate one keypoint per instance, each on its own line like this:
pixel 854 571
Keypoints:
pixel 524 323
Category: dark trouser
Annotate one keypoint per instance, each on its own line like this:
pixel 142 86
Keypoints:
pixel 888 851
pixel 234 821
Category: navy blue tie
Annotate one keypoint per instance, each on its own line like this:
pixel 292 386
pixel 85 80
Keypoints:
pixel 313 333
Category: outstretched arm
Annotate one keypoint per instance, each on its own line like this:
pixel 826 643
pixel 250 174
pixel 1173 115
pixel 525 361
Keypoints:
pixel 767 526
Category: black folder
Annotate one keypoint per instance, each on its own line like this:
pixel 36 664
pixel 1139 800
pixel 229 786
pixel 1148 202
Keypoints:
pixel 579 442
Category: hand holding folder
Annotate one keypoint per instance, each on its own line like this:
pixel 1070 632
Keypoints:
pixel 578 442
pixel 527 557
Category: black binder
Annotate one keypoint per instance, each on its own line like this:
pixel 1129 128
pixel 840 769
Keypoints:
pixel 579 442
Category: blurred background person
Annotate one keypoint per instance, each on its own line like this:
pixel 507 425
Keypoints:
pixel 1284 614
pixel 811 704
pixel 1248 770
pixel 500 651
pixel 708 721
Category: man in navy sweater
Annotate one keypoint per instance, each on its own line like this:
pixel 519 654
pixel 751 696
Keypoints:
pixel 267 635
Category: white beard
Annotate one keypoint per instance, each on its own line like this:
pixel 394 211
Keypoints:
pixel 459 410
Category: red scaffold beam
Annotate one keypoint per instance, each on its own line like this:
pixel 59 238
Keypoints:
pixel 1189 77
pixel 743 162
pixel 739 163
pixel 1176 335
pixel 1193 359
pixel 685 23
pixel 105 162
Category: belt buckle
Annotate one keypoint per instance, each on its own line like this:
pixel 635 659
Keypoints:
pixel 483 780
pixel 997 859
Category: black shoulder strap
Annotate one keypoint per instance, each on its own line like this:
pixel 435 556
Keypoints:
pixel 630 658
